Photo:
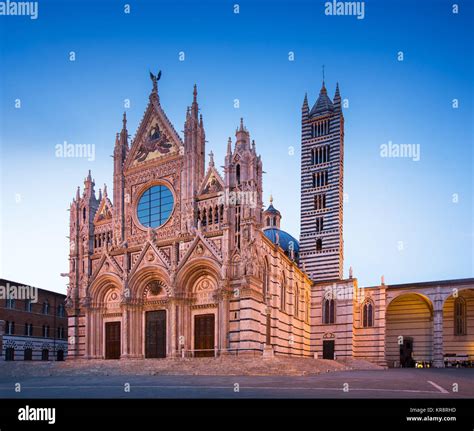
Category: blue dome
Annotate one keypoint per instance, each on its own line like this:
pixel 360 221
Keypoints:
pixel 286 241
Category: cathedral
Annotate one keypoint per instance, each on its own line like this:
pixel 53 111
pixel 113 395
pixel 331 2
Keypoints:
pixel 184 260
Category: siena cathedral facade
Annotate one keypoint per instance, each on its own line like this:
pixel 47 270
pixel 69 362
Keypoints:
pixel 184 261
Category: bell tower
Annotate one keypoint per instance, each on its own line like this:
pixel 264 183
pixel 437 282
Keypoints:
pixel 322 168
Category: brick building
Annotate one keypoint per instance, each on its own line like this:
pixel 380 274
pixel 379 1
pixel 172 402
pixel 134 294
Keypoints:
pixel 33 323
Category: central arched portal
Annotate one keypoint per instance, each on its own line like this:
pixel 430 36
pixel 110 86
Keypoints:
pixel 155 315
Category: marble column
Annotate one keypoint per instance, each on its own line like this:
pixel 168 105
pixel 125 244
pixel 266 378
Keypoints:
pixel 438 359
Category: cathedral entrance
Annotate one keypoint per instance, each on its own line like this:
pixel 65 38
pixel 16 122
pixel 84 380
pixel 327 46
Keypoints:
pixel 112 340
pixel 204 335
pixel 155 330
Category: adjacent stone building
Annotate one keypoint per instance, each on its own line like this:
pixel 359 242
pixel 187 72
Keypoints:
pixel 32 327
pixel 184 260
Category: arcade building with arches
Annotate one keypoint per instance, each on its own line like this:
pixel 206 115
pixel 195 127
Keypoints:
pixel 182 260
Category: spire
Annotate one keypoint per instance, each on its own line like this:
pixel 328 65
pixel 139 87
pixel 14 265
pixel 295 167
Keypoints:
pixel 305 101
pixel 211 159
pixel 323 105
pixel 124 121
pixel 323 89
pixel 229 146
pixel 105 190
pixel 100 194
pixel 242 137
pixel 305 107
pixel 271 199
pixel 194 105
pixel 89 186
pixel 78 194
pixel 337 98
pixel 124 132
pixel 336 94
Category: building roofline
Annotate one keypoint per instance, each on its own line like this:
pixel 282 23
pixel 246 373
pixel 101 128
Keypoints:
pixel 3 282
pixel 427 283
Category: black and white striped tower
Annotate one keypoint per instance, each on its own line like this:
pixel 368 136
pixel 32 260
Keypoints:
pixel 322 168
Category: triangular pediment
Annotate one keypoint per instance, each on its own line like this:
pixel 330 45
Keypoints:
pixel 107 265
pixel 105 211
pixel 212 182
pixel 201 247
pixel 156 137
pixel 150 255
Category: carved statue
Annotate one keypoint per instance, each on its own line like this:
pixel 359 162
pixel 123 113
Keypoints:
pixel 155 79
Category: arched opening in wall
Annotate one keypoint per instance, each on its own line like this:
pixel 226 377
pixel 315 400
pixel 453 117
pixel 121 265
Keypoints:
pixel 237 173
pixel 60 355
pixel 458 326
pixel 199 282
pixel 106 295
pixel 408 330
pixel 28 354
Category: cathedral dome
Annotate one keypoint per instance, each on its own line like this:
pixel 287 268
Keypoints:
pixel 286 241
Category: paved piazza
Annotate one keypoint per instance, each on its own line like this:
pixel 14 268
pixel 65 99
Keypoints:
pixel 388 383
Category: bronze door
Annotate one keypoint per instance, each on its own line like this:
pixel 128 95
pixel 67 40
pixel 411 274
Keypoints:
pixel 155 330
pixel 112 340
pixel 204 335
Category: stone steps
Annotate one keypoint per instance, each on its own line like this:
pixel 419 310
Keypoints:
pixel 187 366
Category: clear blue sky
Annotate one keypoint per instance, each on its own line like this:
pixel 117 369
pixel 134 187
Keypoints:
pixel 245 56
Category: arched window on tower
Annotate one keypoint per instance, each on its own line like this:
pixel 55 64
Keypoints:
pixel 237 173
pixel 368 314
pixel 83 214
pixel 329 307
pixel 460 316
